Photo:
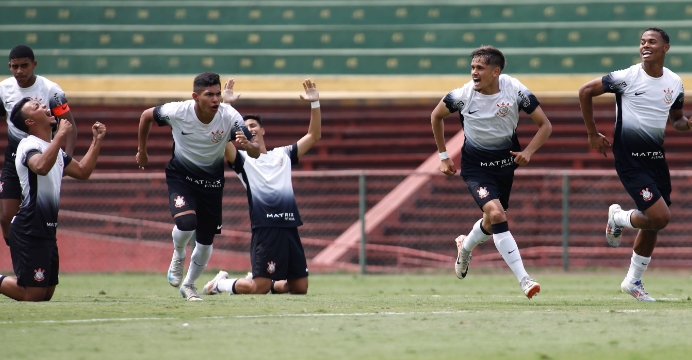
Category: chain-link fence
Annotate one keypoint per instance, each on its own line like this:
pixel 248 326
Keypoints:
pixel 121 222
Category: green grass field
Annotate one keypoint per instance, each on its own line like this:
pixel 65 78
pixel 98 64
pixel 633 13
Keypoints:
pixel 139 316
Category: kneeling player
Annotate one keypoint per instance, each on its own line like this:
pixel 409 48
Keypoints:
pixel 41 164
pixel 277 256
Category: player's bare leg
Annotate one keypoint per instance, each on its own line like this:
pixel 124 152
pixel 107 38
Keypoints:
pixel 11 289
pixel 10 207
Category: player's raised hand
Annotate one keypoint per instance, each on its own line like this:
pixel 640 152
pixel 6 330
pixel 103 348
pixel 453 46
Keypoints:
pixel 311 93
pixel 521 158
pixel 600 143
pixel 447 167
pixel 227 94
pixel 64 128
pixel 142 159
pixel 241 139
pixel 98 130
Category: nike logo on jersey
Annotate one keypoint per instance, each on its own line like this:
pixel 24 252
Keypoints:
pixel 512 251
pixel 471 112
pixel 184 133
pixel 219 227
pixel 639 93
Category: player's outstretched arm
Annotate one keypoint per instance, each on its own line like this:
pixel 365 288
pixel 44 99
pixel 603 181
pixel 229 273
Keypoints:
pixel 82 169
pixel 315 128
pixel 42 163
pixel 587 92
pixel 228 95
pixel 145 122
pixel 679 121
pixel 438 127
pixel 544 130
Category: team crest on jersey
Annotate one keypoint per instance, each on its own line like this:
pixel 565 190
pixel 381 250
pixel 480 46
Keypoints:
pixel 216 136
pixel 271 267
pixel 39 275
pixel 668 97
pixel 646 194
pixel 503 109
pixel 179 201
pixel 483 192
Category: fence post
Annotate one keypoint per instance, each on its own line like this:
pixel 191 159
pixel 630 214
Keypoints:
pixel 361 216
pixel 565 221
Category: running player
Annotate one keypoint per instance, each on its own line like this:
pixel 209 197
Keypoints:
pixel 489 107
pixel 647 96
pixel 201 127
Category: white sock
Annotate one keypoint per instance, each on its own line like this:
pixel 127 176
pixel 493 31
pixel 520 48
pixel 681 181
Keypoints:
pixel 507 246
pixel 475 237
pixel 226 285
pixel 638 265
pixel 624 218
pixel 180 240
pixel 198 262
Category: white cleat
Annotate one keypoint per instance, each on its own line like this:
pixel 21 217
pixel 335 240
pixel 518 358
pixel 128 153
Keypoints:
pixel 461 267
pixel 636 289
pixel 175 271
pixel 211 287
pixel 613 232
pixel 189 292
pixel 530 287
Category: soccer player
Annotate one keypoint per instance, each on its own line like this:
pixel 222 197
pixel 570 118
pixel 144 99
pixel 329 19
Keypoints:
pixel 41 164
pixel 24 83
pixel 201 129
pixel 489 107
pixel 276 253
pixel 647 96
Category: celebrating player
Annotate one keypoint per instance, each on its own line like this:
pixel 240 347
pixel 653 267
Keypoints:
pixel 489 107
pixel 647 95
pixel 41 164
pixel 24 83
pixel 276 253
pixel 201 127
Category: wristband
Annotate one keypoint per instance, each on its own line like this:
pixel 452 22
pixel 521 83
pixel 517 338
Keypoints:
pixel 443 155
pixel 315 104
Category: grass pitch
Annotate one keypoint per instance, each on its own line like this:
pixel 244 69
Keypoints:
pixel 486 316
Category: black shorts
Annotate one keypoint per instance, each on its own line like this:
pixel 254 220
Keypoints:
pixel 646 185
pixel 277 253
pixel 487 187
pixel 35 261
pixel 184 195
pixel 10 188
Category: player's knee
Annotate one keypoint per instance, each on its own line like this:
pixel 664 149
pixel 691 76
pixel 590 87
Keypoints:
pixel 497 216
pixel 261 287
pixel 659 221
pixel 298 286
pixel 187 222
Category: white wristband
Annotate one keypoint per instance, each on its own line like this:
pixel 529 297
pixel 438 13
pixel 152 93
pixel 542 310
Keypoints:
pixel 443 155
pixel 315 104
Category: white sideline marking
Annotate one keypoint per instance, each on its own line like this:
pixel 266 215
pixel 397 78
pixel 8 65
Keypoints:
pixel 388 313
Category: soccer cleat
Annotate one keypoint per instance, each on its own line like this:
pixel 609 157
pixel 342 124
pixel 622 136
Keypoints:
pixel 461 267
pixel 636 289
pixel 189 292
pixel 613 231
pixel 530 287
pixel 175 271
pixel 211 287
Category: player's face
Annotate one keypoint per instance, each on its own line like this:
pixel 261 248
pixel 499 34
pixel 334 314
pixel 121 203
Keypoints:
pixel 39 113
pixel 22 69
pixel 482 74
pixel 209 99
pixel 652 47
pixel 254 127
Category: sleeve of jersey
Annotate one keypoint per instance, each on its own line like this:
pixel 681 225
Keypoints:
pixel 239 125
pixel 453 101
pixel 66 159
pixel 163 114
pixel 58 103
pixel 677 104
pixel 293 153
pixel 239 162
pixel 615 82
pixel 525 98
pixel 28 154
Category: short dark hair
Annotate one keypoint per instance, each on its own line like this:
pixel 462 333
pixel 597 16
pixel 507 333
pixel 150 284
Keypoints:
pixel 491 55
pixel 18 117
pixel 663 33
pixel 21 51
pixel 205 80
pixel 253 117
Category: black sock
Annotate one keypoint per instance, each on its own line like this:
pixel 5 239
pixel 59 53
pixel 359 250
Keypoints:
pixel 271 289
pixel 2 277
pixel 233 287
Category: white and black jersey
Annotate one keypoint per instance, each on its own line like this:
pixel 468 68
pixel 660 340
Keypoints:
pixel 43 90
pixel 490 123
pixel 38 213
pixel 642 104
pixel 198 149
pixel 267 180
